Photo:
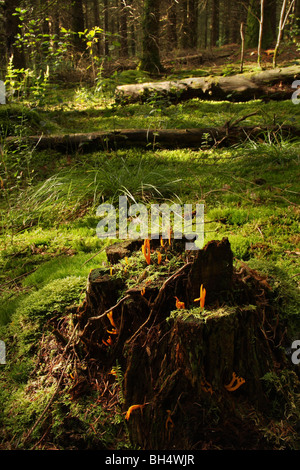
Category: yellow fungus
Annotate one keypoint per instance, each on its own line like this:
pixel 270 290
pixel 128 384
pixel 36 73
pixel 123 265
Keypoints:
pixel 239 381
pixel 131 409
pixel 179 304
pixel 202 296
pixel 110 317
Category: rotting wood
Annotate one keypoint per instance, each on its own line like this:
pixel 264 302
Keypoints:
pixel 181 362
pixel 197 138
pixel 240 87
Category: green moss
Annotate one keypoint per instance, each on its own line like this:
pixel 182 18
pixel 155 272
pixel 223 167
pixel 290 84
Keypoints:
pixel 197 314
pixel 33 311
pixel 17 118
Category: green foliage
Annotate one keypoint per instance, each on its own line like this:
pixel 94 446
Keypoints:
pixel 63 267
pixel 52 298
pixel 48 213
pixel 37 307
pixel 15 118
pixel 283 391
pixel 26 83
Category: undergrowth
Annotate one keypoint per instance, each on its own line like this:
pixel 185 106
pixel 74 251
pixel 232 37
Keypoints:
pixel 49 245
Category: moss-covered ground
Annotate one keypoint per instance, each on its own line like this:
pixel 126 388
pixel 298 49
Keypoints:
pixel 49 245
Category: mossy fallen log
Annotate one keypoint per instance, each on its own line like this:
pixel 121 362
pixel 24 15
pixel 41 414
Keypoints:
pixel 272 84
pixel 198 138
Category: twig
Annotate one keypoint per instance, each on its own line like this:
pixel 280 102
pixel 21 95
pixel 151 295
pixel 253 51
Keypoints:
pixel 92 319
pixel 230 124
pixel 98 253
pixel 49 402
pixel 161 291
pixel 242 47
pixel 18 277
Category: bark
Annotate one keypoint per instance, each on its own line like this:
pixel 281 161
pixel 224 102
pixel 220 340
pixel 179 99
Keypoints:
pixel 214 26
pixel 78 24
pixel 242 47
pixel 200 138
pixel 260 34
pixel 253 24
pixel 106 43
pixel 184 29
pixel 199 371
pixel 172 24
pixel 193 23
pixel 123 29
pixel 282 22
pixel 150 61
pixel 233 88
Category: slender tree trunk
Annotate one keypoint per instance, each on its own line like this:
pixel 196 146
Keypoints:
pixel 172 24
pixel 242 46
pixel 86 15
pixel 123 29
pixel 297 10
pixel 97 22
pixel 282 22
pixel 131 28
pixel 193 23
pixel 261 25
pixel 253 24
pixel 78 24
pixel 206 29
pixel 184 29
pixel 150 61
pixel 227 8
pixel 96 13
pixel 214 25
pixel 106 44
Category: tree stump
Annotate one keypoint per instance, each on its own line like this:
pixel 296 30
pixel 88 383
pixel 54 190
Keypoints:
pixel 195 372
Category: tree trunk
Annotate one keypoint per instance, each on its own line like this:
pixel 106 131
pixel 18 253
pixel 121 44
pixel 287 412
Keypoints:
pixel 242 47
pixel 214 25
pixel 106 28
pixel 78 24
pixel 193 24
pixel 172 24
pixel 253 23
pixel 282 22
pixel 192 374
pixel 123 29
pixel 260 34
pixel 226 8
pixel 199 138
pixel 184 24
pixel 150 61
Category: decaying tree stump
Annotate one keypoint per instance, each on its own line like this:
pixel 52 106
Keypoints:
pixel 193 371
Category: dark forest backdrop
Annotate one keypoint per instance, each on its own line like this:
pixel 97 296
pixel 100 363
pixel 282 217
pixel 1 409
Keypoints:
pixel 60 34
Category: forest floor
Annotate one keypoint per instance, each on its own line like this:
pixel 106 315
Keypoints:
pixel 49 245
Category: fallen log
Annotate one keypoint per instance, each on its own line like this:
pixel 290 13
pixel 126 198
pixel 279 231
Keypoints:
pixel 272 84
pixel 198 138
